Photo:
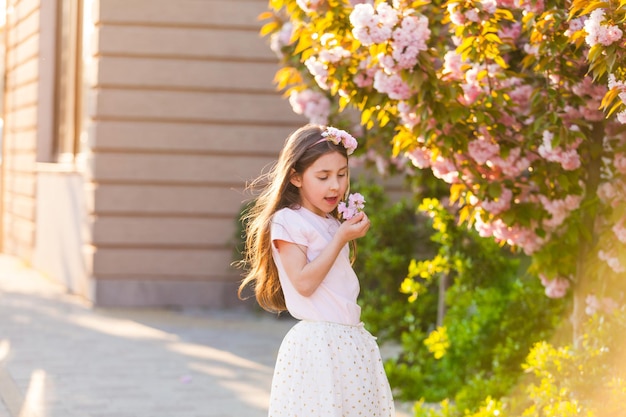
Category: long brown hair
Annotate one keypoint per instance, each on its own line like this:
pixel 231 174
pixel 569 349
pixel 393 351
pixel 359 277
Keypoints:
pixel 302 148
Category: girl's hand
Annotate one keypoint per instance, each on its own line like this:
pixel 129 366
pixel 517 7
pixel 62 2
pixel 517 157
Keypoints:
pixel 355 227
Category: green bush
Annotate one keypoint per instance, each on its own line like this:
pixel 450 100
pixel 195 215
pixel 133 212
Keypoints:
pixel 395 237
pixel 495 312
pixel 583 380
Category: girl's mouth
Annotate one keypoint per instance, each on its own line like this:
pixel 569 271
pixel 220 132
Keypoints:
pixel 331 200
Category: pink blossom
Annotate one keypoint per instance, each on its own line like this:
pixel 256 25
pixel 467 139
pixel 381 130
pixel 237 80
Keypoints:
pixel 591 111
pixel 558 209
pixel 520 96
pixel 445 170
pixel 619 162
pixel 511 32
pixel 535 7
pixel 572 202
pixel 614 83
pixel 568 158
pixel 281 39
pixel 386 62
pixel 452 64
pixel 311 104
pixel 587 88
pixel 606 305
pixel 420 157
pixel 365 75
pixel 599 33
pixel 381 163
pixel 309 5
pixel 338 136
pixel 333 55
pixel 593 305
pixel 472 15
pixel 408 39
pixel 621 86
pixel 319 70
pixel 607 192
pixel 609 305
pixel 371 25
pixel 456 17
pixel 356 203
pixel 470 93
pixel 500 204
pixel 513 165
pixel 489 6
pixel 611 34
pixel 482 150
pixel 524 238
pixel 391 84
pixel 620 231
pixel 407 115
pixel 509 4
pixel 555 287
pixel 612 261
pixel 575 25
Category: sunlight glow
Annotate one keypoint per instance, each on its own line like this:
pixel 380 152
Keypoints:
pixel 220 356
pixel 34 400
pixel 5 348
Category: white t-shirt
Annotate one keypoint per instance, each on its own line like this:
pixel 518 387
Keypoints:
pixel 335 298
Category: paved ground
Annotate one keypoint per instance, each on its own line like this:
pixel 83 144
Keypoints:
pixel 59 357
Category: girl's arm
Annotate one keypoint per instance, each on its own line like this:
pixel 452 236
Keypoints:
pixel 306 277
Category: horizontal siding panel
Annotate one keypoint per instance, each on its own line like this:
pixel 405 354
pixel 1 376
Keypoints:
pixel 24 29
pixel 182 42
pixel 163 231
pixel 192 106
pixel 25 73
pixel 172 73
pixel 23 52
pixel 22 10
pixel 182 12
pixel 23 118
pixel 160 262
pixel 22 96
pixel 21 141
pixel 20 205
pixel 21 162
pixel 17 248
pixel 161 200
pixel 158 136
pixel 20 183
pixel 151 199
pixel 176 168
pixel 20 229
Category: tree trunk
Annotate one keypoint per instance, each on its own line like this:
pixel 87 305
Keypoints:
pixel 441 302
pixel 583 279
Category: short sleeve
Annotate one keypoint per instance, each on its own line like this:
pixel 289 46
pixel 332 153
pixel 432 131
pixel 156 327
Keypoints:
pixel 288 226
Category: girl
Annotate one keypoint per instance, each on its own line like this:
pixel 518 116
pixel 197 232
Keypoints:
pixel 297 256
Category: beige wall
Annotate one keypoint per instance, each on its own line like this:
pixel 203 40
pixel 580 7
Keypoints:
pixel 27 60
pixel 183 112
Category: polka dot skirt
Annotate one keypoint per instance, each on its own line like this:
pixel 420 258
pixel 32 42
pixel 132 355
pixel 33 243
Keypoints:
pixel 330 370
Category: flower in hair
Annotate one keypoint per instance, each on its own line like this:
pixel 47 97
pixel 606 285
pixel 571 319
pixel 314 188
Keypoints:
pixel 356 203
pixel 338 136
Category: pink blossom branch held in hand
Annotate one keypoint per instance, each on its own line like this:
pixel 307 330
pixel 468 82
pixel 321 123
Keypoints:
pixel 356 203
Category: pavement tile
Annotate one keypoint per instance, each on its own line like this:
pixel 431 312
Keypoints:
pixel 61 357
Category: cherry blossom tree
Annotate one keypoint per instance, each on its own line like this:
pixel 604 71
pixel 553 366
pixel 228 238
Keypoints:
pixel 519 106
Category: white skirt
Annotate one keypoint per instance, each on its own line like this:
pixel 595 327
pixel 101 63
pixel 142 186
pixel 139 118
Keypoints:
pixel 330 370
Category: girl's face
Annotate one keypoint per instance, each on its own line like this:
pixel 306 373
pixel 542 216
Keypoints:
pixel 323 184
